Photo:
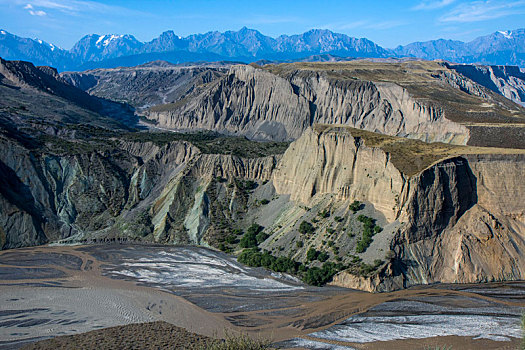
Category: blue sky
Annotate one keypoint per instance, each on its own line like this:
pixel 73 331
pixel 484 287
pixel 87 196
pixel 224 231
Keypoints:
pixel 386 22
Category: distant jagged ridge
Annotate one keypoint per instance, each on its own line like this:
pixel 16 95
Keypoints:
pixel 248 45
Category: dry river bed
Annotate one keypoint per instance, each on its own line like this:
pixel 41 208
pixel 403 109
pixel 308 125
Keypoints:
pixel 62 290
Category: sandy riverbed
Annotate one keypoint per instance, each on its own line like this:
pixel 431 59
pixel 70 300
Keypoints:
pixel 51 291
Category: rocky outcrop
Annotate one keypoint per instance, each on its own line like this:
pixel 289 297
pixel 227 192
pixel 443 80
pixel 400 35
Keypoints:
pixel 143 86
pixel 136 191
pixel 335 162
pixel 262 105
pixel 47 80
pixel 461 217
pixel 480 234
pixel 456 217
pixel 508 81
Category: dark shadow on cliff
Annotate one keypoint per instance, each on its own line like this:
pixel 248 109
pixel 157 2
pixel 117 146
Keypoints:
pixel 446 191
pixel 19 195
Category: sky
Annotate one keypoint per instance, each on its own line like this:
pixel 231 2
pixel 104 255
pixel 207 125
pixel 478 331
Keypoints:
pixel 388 23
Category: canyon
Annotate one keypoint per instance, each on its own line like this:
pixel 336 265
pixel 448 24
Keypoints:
pixel 432 159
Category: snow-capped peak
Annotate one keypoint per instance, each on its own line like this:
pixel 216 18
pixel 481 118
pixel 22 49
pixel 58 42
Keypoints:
pixel 3 32
pixel 506 33
pixel 107 39
pixel 42 42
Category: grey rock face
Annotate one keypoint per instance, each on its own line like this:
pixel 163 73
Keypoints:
pixel 508 81
pixel 261 105
pixel 144 86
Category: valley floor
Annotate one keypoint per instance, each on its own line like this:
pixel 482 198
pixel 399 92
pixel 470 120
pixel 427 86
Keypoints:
pixel 55 290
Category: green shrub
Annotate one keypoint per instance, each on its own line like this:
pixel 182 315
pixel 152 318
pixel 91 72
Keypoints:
pixel 355 206
pixel 231 239
pixel 254 258
pixel 311 254
pixel 254 229
pixel 299 244
pixel 338 219
pixel 324 214
pixel 323 256
pixel 306 228
pixel 247 185
pixel 237 231
pixel 261 237
pixel 369 230
pixel 265 201
pixel 319 276
pixel 249 240
pixel 355 259
pixel 220 179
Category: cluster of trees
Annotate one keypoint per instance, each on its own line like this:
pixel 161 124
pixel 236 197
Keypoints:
pixel 360 268
pixel 253 236
pixel 255 258
pixel 313 254
pixel 306 228
pixel 316 276
pixel 355 206
pixel 246 185
pixel 369 230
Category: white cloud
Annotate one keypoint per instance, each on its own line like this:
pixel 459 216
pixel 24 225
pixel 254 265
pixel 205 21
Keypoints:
pixel 73 7
pixel 484 10
pixel 37 13
pixel 52 5
pixel 432 4
pixel 34 12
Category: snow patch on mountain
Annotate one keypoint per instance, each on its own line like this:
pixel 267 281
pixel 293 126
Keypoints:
pixel 506 33
pixel 107 39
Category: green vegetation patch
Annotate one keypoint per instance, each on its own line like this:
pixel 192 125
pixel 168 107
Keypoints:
pixel 213 143
pixel 306 228
pixel 369 230
pixel 316 276
pixel 252 236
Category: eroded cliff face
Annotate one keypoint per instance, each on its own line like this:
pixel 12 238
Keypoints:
pixel 480 235
pixel 455 217
pixel 137 191
pixel 262 105
pixel 337 163
pixel 460 219
pixel 508 81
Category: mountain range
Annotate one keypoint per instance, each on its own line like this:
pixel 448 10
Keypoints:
pixel 249 45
